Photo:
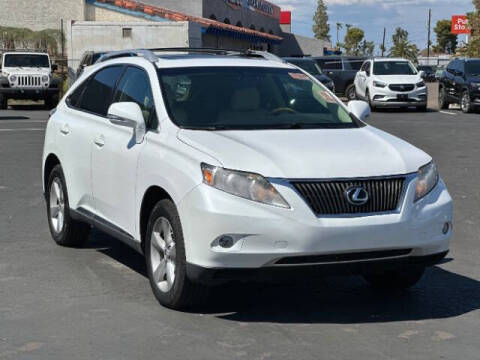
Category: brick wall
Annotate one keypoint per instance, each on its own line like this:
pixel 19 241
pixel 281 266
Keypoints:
pixel 40 14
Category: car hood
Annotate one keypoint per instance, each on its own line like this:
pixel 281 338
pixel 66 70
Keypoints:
pixel 25 71
pixel 399 79
pixel 303 154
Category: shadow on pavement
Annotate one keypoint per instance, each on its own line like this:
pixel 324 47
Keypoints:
pixel 340 300
pixel 3 118
pixel 35 107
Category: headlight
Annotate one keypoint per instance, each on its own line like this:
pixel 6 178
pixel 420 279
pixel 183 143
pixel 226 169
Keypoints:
pixel 421 84
pixel 45 78
pixel 379 84
pixel 245 185
pixel 427 180
pixel 13 78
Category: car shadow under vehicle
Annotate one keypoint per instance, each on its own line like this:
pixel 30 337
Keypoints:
pixel 339 300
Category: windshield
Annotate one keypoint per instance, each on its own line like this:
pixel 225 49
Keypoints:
pixel 473 68
pixel 393 68
pixel 25 60
pixel 309 66
pixel 223 98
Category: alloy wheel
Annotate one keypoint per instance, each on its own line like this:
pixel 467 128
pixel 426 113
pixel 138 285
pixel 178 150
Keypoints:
pixel 57 206
pixel 466 102
pixel 163 254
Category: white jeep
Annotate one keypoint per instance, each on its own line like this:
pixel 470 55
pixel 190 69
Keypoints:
pixel 28 76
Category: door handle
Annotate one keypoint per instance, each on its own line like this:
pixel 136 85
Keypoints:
pixel 99 141
pixel 65 130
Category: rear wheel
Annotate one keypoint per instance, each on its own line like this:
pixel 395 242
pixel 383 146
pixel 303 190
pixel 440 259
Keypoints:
pixel 403 278
pixel 442 99
pixel 351 92
pixel 166 260
pixel 466 102
pixel 3 102
pixel 65 231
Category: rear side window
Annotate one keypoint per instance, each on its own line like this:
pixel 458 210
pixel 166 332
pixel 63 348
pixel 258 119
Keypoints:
pixel 135 87
pixel 353 64
pixel 330 64
pixel 97 96
pixel 75 97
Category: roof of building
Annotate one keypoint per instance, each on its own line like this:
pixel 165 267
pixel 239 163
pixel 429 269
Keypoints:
pixel 145 7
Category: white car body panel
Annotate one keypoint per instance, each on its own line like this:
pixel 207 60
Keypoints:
pixel 384 97
pixel 169 158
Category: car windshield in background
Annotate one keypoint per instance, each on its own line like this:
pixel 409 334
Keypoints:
pixel 246 98
pixel 22 60
pixel 309 66
pixel 473 68
pixel 393 68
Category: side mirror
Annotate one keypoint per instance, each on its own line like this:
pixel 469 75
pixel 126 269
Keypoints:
pixel 360 109
pixel 459 73
pixel 54 67
pixel 128 114
pixel 422 74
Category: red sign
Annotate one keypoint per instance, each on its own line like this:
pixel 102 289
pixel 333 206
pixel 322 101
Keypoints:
pixel 460 25
pixel 286 17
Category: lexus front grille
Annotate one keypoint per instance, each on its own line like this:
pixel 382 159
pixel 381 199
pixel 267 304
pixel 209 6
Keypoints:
pixel 326 197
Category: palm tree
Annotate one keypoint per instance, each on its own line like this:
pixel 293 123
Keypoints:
pixel 402 47
pixel 339 27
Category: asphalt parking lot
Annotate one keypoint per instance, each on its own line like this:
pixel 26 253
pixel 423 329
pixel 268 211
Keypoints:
pixel 96 302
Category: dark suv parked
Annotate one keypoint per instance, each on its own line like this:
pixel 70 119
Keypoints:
pixel 460 84
pixel 342 70
pixel 428 72
pixel 311 66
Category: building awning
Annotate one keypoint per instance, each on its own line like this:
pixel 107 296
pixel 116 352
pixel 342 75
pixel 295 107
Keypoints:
pixel 210 26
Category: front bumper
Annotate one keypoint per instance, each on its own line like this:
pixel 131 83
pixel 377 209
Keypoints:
pixel 264 236
pixel 384 97
pixel 29 94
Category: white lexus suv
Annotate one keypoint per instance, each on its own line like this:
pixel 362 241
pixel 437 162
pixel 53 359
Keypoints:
pixel 391 82
pixel 220 167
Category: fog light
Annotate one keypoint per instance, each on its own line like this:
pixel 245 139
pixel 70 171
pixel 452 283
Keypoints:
pixel 446 228
pixel 225 242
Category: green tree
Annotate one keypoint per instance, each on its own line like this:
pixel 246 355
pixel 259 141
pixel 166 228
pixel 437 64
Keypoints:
pixel 367 47
pixel 402 47
pixel 473 47
pixel 446 41
pixel 321 28
pixel 353 40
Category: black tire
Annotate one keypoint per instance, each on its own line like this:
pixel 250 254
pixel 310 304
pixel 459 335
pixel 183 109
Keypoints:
pixel 400 279
pixel 442 99
pixel 51 102
pixel 183 293
pixel 3 102
pixel 72 233
pixel 466 102
pixel 369 100
pixel 351 92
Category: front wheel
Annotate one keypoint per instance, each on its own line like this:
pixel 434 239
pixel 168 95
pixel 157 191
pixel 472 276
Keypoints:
pixel 3 102
pixel 442 99
pixel 403 278
pixel 466 102
pixel 369 100
pixel 166 260
pixel 351 92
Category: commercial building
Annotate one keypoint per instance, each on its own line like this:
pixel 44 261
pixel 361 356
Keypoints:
pixel 233 24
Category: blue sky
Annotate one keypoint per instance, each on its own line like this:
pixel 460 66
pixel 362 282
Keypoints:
pixel 373 15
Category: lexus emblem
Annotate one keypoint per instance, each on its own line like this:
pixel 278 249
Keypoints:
pixel 357 195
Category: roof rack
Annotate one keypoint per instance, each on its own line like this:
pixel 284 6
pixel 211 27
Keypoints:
pixel 151 54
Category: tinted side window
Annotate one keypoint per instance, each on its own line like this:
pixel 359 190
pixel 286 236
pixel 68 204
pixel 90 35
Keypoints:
pixel 135 87
pixel 74 98
pixel 330 64
pixel 451 66
pixel 98 94
pixel 366 67
pixel 353 64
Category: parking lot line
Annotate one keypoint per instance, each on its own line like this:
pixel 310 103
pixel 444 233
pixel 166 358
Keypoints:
pixel 448 113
